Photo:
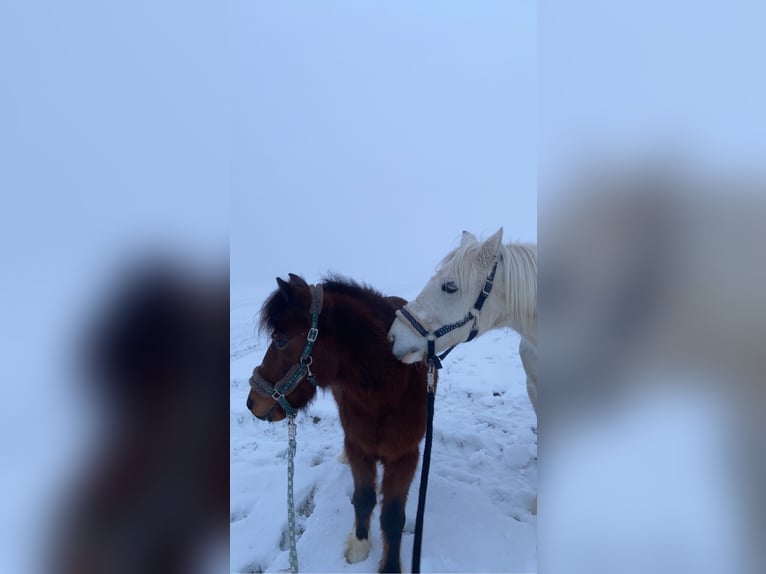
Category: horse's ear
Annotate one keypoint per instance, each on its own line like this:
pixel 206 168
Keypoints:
pixel 297 280
pixel 285 289
pixel 466 238
pixel 491 247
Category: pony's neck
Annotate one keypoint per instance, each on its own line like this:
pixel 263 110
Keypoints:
pixel 516 284
pixel 359 331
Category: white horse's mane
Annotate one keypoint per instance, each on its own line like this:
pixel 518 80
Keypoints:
pixel 517 271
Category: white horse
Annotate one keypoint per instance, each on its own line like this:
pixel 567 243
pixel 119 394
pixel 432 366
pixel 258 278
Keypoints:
pixel 447 305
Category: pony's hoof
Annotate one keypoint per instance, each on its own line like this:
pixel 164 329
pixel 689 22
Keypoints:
pixel 357 550
pixel 343 457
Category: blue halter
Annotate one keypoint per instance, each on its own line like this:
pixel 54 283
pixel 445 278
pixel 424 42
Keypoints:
pixel 279 390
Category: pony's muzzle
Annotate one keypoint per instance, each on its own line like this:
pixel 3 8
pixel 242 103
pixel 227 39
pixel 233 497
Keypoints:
pixel 250 405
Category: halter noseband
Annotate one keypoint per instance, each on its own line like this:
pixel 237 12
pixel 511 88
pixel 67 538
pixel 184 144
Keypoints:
pixel 410 318
pixel 279 390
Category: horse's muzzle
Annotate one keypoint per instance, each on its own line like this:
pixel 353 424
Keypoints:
pixel 412 356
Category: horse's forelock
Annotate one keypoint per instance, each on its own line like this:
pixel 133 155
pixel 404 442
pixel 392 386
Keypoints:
pixel 465 265
pixel 274 308
pixel 291 298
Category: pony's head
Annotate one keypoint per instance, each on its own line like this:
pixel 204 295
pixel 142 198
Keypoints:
pixel 287 317
pixel 448 298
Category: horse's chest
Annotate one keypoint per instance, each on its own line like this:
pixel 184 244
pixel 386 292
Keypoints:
pixel 376 430
pixel 362 426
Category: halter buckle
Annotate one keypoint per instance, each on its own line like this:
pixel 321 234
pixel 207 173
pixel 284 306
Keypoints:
pixel 308 364
pixel 430 377
pixel 488 284
pixel 313 334
pixel 276 395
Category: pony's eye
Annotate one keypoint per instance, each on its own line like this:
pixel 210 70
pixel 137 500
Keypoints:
pixel 449 287
pixel 279 342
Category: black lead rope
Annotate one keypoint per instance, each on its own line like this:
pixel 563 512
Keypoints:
pixel 424 472
pixel 434 362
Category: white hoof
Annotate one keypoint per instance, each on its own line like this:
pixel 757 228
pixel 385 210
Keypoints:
pixel 357 550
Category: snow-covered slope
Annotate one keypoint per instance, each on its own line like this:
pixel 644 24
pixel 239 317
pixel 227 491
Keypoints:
pixel 481 487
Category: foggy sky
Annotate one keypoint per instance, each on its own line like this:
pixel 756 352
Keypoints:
pixel 367 136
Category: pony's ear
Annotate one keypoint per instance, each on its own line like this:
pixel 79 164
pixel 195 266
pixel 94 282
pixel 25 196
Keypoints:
pixel 297 280
pixel 491 247
pixel 295 291
pixel 285 289
pixel 466 238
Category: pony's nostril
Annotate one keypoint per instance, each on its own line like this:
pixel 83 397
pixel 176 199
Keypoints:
pixel 249 403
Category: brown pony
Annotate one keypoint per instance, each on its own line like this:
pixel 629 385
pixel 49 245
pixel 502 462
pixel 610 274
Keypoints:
pixel 381 401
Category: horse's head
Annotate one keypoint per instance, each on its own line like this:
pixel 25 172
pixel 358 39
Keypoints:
pixel 445 304
pixel 287 366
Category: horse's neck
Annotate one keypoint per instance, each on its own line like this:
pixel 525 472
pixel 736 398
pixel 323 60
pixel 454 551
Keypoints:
pixel 356 342
pixel 516 284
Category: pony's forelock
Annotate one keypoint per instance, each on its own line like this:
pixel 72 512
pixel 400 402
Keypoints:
pixel 271 309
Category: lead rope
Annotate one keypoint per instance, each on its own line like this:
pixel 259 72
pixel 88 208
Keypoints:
pixel 424 471
pixel 291 432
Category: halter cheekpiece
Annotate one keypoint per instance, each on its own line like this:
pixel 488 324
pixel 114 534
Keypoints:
pixel 279 390
pixel 431 336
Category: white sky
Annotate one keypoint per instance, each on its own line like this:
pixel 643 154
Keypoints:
pixel 368 135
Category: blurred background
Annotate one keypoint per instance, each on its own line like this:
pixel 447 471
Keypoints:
pixel 651 337
pixel 114 210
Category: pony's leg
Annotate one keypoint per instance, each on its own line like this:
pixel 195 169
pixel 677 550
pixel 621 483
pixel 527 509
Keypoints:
pixel 528 355
pixel 532 391
pixel 397 478
pixel 364 471
pixel 337 393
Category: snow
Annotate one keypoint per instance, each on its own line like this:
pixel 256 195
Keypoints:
pixel 482 482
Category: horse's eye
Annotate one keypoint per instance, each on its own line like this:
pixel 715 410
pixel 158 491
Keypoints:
pixel 279 342
pixel 449 287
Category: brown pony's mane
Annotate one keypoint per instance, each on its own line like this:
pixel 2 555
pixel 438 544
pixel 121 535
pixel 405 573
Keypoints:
pixel 276 308
pixel 377 303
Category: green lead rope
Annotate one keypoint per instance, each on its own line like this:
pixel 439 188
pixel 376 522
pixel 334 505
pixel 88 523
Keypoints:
pixel 291 428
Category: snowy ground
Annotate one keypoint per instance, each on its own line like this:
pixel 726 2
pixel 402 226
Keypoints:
pixel 483 470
